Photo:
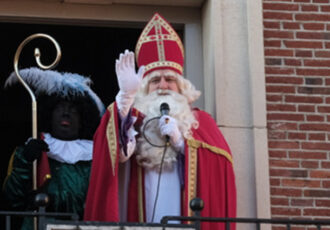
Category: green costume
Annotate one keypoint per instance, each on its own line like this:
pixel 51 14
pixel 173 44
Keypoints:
pixel 66 189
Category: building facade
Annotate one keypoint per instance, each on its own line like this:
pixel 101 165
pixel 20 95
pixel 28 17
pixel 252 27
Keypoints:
pixel 263 67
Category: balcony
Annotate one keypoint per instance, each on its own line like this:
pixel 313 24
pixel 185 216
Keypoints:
pixel 69 221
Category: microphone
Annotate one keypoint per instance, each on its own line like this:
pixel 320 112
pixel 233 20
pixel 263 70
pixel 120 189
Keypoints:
pixel 164 110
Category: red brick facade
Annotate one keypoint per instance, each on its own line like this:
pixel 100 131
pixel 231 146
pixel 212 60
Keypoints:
pixel 297 65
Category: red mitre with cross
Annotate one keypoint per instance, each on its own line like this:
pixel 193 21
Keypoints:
pixel 159 47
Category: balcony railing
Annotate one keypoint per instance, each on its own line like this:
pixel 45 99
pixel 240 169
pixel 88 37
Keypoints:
pixel 69 221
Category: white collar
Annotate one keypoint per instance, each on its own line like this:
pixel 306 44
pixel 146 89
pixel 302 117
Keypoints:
pixel 69 151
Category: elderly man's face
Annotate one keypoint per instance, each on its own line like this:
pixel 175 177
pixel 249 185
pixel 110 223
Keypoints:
pixel 165 80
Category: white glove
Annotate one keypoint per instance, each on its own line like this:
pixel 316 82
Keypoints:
pixel 128 80
pixel 168 126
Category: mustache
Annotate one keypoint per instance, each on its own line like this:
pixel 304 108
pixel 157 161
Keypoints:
pixel 164 92
pixel 150 104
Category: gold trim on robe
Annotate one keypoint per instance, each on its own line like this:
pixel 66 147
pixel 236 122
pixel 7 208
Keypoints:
pixel 192 175
pixel 197 144
pixel 112 138
pixel 193 146
pixel 140 195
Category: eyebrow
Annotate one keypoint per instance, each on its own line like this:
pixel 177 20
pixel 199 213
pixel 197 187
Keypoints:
pixel 170 76
pixel 154 78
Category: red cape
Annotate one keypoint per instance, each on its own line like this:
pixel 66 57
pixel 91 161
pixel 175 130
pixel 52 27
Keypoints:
pixel 208 174
pixel 43 169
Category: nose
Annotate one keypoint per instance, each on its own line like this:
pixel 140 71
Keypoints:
pixel 66 110
pixel 163 83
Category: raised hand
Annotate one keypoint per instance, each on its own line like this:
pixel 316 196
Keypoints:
pixel 128 80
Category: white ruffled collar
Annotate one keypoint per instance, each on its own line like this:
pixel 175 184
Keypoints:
pixel 69 151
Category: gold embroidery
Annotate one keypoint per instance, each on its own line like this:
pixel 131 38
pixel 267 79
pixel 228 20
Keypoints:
pixel 112 138
pixel 153 38
pixel 193 146
pixel 192 176
pixel 193 143
pixel 156 64
pixel 10 168
pixel 140 195
pixel 160 42
pixel 11 161
pixel 197 144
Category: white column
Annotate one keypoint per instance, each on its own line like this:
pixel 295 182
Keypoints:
pixel 194 58
pixel 235 95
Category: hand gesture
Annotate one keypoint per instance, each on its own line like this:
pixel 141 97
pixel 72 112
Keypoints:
pixel 128 80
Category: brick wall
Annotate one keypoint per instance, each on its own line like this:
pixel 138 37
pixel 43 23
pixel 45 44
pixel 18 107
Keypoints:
pixel 297 65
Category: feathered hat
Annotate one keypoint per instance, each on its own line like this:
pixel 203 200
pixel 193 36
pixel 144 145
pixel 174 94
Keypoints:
pixel 50 82
pixel 159 47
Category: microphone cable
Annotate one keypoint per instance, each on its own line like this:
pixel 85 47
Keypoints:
pixel 158 184
pixel 161 163
pixel 147 139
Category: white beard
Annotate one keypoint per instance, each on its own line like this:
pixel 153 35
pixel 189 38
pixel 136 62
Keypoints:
pixel 149 156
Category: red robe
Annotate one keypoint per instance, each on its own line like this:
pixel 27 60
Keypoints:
pixel 208 174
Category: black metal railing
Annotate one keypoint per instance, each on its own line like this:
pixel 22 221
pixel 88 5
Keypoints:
pixel 256 221
pixel 43 222
pixel 71 219
pixel 41 201
pixel 40 215
pixel 197 206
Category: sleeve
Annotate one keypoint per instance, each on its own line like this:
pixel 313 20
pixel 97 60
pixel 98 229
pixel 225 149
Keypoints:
pixel 17 187
pixel 103 191
pixel 127 135
pixel 102 197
